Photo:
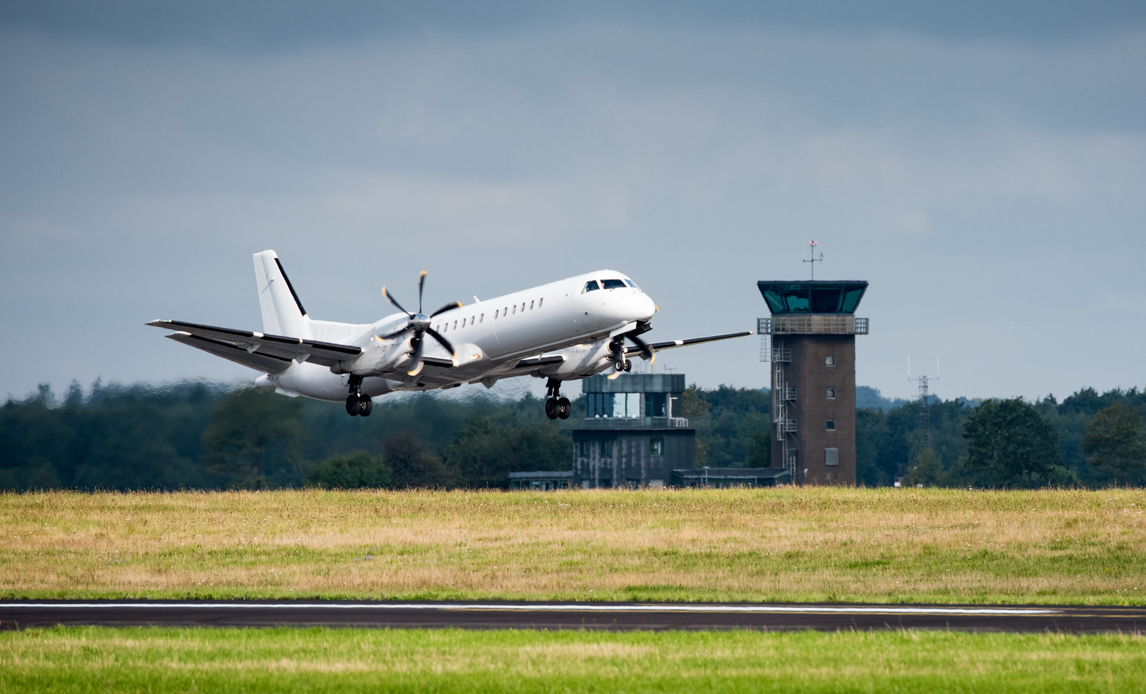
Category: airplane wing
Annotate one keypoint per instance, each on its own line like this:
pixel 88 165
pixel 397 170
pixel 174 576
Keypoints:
pixel 256 350
pixel 671 344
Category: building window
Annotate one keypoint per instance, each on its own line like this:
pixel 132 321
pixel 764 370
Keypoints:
pixel 657 446
pixel 582 449
pixel 831 425
pixel 831 456
pixel 831 393
pixel 830 360
pixel 606 449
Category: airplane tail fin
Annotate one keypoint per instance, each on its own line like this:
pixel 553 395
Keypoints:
pixel 282 311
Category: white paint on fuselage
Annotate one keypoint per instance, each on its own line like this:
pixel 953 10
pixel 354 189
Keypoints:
pixel 490 337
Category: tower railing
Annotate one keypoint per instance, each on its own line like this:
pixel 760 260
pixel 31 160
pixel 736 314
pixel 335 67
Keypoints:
pixel 812 324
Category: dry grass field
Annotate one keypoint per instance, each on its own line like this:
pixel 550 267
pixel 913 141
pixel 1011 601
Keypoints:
pixel 753 545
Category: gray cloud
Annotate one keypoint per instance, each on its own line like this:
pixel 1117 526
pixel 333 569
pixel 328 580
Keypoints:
pixel 986 183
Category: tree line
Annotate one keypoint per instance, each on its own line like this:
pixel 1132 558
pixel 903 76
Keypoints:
pixel 199 435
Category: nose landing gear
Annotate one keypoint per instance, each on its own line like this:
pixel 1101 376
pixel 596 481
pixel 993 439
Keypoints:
pixel 356 402
pixel 556 406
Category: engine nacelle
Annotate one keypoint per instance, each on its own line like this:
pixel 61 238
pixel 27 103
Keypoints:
pixel 582 360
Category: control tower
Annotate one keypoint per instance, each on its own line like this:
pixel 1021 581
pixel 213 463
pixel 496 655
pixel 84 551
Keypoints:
pixel 810 342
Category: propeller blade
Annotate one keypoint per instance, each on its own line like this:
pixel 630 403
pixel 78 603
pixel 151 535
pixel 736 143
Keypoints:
pixel 395 302
pixel 646 351
pixel 442 341
pixel 421 284
pixel 396 333
pixel 448 307
pixel 418 343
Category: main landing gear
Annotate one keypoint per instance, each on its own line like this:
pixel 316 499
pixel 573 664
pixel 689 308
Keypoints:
pixel 556 406
pixel 357 403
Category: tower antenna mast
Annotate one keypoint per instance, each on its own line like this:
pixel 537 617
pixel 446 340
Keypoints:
pixel 812 257
pixel 924 398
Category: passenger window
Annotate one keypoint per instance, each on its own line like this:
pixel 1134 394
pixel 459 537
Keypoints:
pixel 495 315
pixel 590 286
pixel 522 305
pixel 530 305
pixel 463 322
pixel 539 302
pixel 515 309
pixel 613 284
pixel 455 325
pixel 481 318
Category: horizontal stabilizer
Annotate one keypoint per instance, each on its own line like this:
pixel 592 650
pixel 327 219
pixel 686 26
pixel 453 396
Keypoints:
pixel 275 346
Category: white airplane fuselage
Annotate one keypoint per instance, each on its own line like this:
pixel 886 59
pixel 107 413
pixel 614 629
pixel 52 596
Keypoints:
pixel 490 338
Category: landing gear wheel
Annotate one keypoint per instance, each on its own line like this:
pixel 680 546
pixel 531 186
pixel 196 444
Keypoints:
pixel 352 405
pixel 628 365
pixel 619 365
pixel 551 408
pixel 365 405
pixel 564 409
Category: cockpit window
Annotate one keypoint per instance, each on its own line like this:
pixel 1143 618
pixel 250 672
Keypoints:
pixel 590 286
pixel 613 284
pixel 631 284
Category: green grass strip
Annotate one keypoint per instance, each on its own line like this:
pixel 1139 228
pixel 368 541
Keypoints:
pixel 94 659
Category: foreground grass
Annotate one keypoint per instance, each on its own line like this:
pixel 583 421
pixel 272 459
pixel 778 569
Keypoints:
pixel 781 544
pixel 95 659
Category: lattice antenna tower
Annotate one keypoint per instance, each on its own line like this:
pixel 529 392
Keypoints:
pixel 812 259
pixel 924 398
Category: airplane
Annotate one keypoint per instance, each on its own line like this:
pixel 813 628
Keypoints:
pixel 561 331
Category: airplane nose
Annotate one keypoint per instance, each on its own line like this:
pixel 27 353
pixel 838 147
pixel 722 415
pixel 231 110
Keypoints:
pixel 645 307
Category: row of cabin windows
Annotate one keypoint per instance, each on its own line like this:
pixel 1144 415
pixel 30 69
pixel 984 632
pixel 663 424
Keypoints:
pixel 584 448
pixel 508 310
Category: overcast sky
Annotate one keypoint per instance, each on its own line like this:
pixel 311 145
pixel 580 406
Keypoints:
pixel 981 164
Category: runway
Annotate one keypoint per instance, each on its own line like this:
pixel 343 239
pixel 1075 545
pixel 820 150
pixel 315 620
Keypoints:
pixel 15 614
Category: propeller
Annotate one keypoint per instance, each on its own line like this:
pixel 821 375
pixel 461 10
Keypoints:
pixel 420 325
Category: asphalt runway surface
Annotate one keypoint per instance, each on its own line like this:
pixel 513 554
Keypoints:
pixel 16 614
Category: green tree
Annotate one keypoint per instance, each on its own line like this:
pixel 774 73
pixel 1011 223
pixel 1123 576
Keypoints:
pixel 253 433
pixel 412 465
pixel 485 452
pixel 1011 445
pixel 927 470
pixel 1113 441
pixel 350 471
pixel 760 449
